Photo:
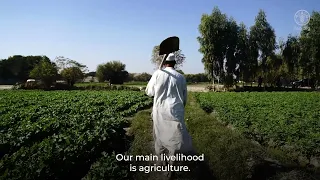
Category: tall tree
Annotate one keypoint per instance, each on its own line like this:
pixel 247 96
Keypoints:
pixel 70 70
pixel 231 60
pixel 46 72
pixel 72 75
pixel 276 69
pixel 252 59
pixel 291 55
pixel 263 34
pixel 212 29
pixel 310 47
pixel 63 62
pixel 156 58
pixel 242 53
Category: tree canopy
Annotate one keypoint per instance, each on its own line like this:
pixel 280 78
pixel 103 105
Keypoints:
pixel 46 72
pixel 113 71
pixel 70 70
pixel 17 68
pixel 232 52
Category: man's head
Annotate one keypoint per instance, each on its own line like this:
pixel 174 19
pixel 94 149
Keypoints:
pixel 170 61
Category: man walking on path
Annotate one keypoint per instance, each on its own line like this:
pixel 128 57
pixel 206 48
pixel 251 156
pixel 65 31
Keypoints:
pixel 169 89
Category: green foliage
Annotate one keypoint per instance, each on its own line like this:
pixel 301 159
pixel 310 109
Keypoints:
pixel 58 135
pixel 63 63
pixel 231 50
pixel 310 45
pixel 17 67
pixel 46 72
pixel 291 55
pixel 143 77
pixel 264 36
pixel 212 40
pixel 200 77
pixel 71 70
pixel 225 48
pixel 113 71
pixel 107 167
pixel 72 75
pixel 284 120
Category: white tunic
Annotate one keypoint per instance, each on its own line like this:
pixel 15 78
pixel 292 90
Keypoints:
pixel 169 89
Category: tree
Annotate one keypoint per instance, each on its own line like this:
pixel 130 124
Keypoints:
pixel 46 72
pixel 243 71
pixel 63 63
pixel 17 67
pixel 72 75
pixel 310 45
pixel 276 69
pixel 113 71
pixel 156 58
pixel 231 60
pixel 101 73
pixel 212 38
pixel 263 36
pixel 290 54
pixel 252 63
pixel 143 77
pixel 218 43
pixel 70 70
pixel 131 77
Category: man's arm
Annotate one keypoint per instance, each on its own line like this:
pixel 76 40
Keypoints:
pixel 150 87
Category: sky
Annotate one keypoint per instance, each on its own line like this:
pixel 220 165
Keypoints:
pixel 93 32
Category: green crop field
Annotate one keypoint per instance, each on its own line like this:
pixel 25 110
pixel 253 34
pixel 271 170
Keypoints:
pixel 290 121
pixel 76 134
pixel 61 135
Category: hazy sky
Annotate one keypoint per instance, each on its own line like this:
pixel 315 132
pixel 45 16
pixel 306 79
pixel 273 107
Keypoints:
pixel 97 31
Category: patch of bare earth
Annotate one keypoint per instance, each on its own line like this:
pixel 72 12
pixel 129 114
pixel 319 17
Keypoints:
pixel 2 87
pixel 197 88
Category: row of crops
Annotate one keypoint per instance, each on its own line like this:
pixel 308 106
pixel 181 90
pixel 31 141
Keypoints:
pixel 66 134
pixel 286 120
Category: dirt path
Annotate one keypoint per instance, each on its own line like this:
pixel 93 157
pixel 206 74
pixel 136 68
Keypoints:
pixel 3 87
pixel 196 88
pixel 144 145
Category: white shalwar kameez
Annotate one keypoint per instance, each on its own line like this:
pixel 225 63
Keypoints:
pixel 169 89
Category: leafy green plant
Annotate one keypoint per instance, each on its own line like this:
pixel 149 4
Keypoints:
pixel 286 120
pixel 59 134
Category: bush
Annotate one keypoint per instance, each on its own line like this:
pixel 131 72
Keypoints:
pixel 64 86
pixel 29 86
pixel 112 87
pixel 61 86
